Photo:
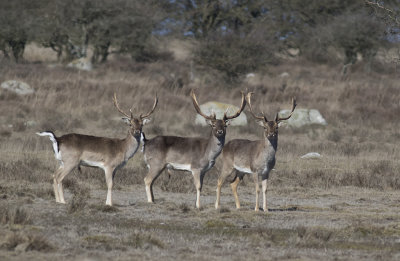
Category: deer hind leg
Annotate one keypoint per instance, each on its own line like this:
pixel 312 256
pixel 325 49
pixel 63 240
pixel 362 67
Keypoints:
pixel 234 186
pixel 255 177
pixel 224 174
pixel 59 176
pixel 198 182
pixel 55 184
pixel 151 176
pixel 264 191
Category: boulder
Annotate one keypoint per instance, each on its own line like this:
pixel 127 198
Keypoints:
pixel 17 87
pixel 219 109
pixel 83 64
pixel 303 117
pixel 311 155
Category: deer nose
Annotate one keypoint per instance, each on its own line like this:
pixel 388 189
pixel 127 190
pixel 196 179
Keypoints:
pixel 220 131
pixel 137 131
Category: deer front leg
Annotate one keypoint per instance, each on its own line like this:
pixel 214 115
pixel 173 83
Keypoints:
pixel 257 207
pixel 198 182
pixel 219 184
pixel 109 180
pixel 264 190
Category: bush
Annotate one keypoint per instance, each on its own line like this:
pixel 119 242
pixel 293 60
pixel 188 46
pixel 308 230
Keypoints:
pixel 234 54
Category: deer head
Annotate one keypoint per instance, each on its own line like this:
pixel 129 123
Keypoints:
pixel 135 123
pixel 218 126
pixel 270 127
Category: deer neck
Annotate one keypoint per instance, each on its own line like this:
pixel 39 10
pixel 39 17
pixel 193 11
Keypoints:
pixel 214 146
pixel 271 142
pixel 131 145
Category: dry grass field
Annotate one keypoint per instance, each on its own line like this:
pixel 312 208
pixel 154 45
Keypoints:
pixel 344 206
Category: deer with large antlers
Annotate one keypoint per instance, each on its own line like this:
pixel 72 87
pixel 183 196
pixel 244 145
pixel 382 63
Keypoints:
pixel 252 157
pixel 196 155
pixel 73 150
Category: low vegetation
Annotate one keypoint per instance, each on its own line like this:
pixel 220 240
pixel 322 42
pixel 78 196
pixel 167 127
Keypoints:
pixel 344 205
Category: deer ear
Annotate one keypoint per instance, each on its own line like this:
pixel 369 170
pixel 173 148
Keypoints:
pixel 227 122
pixel 145 121
pixel 261 123
pixel 210 122
pixel 127 120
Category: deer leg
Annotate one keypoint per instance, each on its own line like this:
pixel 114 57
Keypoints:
pixel 234 186
pixel 224 173
pixel 257 208
pixel 198 182
pixel 264 191
pixel 55 185
pixel 109 173
pixel 59 178
pixel 148 181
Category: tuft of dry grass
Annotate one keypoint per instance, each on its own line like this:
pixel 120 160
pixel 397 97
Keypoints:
pixel 81 194
pixel 14 216
pixel 22 242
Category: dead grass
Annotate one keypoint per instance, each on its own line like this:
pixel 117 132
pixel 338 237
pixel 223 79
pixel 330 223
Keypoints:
pixel 342 206
pixel 14 216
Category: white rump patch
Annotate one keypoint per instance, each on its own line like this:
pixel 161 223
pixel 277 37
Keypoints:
pixel 243 169
pixel 178 166
pixel 57 153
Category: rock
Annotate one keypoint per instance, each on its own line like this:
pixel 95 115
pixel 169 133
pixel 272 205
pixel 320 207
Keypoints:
pixel 30 123
pixel 311 155
pixel 22 247
pixel 17 87
pixel 303 117
pixel 219 109
pixel 284 75
pixel 293 51
pixel 83 64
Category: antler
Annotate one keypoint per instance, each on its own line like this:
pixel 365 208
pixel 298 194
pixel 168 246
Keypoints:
pixel 152 110
pixel 118 108
pixel 251 109
pixel 197 107
pixel 239 111
pixel 278 119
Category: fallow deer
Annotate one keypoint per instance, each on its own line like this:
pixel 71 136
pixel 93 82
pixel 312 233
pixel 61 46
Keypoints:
pixel 73 150
pixel 251 157
pixel 196 155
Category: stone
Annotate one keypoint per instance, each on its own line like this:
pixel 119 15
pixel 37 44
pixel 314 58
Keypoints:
pixel 219 109
pixel 22 247
pixel 284 75
pixel 83 64
pixel 303 117
pixel 17 87
pixel 311 155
